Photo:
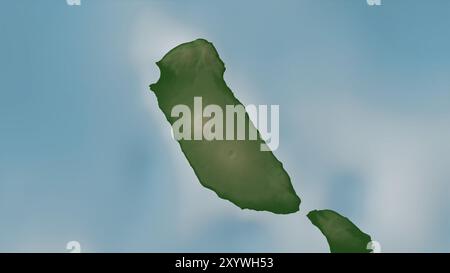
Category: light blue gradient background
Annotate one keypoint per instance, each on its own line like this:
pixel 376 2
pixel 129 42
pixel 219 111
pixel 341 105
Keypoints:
pixel 85 154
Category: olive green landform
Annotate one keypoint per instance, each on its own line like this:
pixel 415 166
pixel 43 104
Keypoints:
pixel 342 235
pixel 237 170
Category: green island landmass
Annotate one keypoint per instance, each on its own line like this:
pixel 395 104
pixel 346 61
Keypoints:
pixel 342 235
pixel 236 170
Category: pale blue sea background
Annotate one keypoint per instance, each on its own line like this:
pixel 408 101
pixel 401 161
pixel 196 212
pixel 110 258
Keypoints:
pixel 86 155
